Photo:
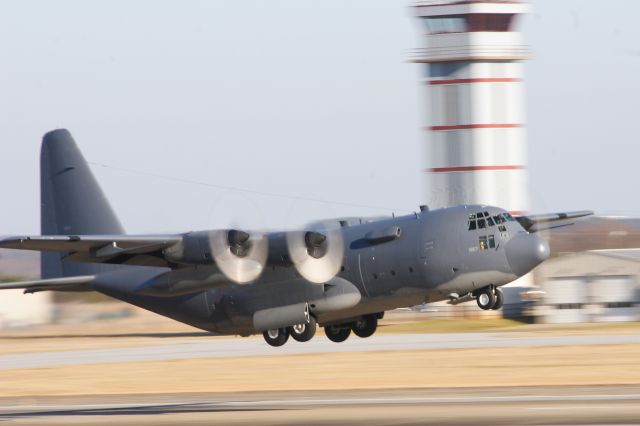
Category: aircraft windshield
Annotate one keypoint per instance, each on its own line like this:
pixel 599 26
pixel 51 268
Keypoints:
pixel 482 220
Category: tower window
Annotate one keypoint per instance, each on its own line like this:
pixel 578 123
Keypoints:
pixel 446 24
pixel 475 22
pixel 447 69
pixel 489 22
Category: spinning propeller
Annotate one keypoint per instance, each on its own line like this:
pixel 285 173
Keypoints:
pixel 317 253
pixel 240 256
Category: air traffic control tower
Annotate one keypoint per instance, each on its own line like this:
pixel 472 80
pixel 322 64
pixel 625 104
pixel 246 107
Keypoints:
pixel 473 67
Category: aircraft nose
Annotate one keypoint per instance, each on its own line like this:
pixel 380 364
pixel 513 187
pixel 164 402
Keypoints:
pixel 525 252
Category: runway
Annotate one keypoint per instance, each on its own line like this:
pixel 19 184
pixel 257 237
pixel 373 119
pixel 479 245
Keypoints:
pixel 213 347
pixel 483 378
pixel 481 406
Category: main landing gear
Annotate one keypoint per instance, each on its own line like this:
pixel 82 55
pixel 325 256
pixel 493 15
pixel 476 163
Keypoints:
pixel 337 333
pixel 364 326
pixel 299 332
pixel 304 332
pixel 490 298
pixel 276 337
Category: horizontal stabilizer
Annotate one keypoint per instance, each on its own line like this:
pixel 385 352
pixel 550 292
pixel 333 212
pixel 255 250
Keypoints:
pixel 540 222
pixel 81 283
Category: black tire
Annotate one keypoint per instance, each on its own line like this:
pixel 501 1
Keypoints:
pixel 336 333
pixel 304 332
pixel 499 300
pixel 486 299
pixel 276 337
pixel 365 326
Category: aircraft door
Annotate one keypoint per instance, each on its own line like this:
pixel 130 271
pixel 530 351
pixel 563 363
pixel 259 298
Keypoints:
pixel 366 267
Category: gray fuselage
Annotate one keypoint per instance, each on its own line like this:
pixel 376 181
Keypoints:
pixel 388 263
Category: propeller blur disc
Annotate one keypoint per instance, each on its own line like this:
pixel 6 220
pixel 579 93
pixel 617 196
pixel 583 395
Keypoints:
pixel 240 256
pixel 317 253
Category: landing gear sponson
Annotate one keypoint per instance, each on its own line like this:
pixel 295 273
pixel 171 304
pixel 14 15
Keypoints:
pixel 364 326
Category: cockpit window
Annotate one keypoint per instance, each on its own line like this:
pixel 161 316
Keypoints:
pixel 507 217
pixel 472 222
pixel 483 220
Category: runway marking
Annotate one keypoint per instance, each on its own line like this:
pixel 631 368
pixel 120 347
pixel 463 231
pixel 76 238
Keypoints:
pixel 345 401
pixel 573 407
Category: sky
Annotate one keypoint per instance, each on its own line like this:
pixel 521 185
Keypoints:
pixel 199 114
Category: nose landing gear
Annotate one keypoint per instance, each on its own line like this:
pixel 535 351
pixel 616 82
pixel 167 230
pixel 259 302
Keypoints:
pixel 490 298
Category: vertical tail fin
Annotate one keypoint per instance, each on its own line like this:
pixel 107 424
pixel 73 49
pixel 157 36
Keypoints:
pixel 72 202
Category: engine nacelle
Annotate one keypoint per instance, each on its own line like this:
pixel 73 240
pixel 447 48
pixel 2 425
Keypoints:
pixel 193 249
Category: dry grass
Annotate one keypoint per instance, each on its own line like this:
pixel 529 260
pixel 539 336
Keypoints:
pixel 579 365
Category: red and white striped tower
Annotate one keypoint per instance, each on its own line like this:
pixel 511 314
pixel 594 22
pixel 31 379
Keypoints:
pixel 473 75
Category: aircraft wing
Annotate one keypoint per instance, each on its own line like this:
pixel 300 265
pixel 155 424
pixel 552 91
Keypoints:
pixel 79 283
pixel 116 249
pixel 540 222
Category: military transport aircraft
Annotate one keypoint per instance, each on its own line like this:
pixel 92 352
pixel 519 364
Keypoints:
pixel 341 274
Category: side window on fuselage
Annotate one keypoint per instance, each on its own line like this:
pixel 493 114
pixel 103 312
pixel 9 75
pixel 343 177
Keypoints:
pixel 487 242
pixel 483 243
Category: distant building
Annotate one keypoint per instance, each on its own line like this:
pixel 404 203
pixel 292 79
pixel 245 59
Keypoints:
pixel 590 287
pixel 18 309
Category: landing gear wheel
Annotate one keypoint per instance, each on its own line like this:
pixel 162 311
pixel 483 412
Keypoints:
pixel 276 337
pixel 365 326
pixel 336 333
pixel 499 299
pixel 305 331
pixel 486 299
